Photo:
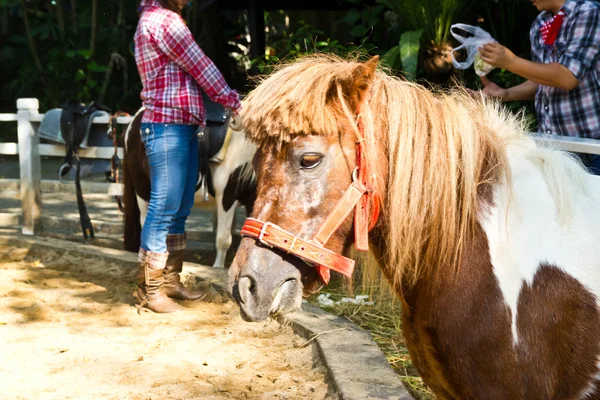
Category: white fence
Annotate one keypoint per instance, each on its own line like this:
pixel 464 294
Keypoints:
pixel 30 150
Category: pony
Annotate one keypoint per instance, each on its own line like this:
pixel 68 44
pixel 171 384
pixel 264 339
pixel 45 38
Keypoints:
pixel 233 181
pixel 489 239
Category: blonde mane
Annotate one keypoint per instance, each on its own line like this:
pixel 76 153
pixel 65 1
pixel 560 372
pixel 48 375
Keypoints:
pixel 443 151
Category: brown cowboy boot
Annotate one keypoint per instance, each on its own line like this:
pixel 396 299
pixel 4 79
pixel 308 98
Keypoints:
pixel 173 286
pixel 151 283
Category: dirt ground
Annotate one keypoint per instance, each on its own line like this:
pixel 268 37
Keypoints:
pixel 69 330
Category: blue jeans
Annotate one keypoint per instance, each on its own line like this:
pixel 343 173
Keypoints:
pixel 172 152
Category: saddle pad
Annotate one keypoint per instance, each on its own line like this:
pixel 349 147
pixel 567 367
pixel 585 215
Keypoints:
pixel 50 126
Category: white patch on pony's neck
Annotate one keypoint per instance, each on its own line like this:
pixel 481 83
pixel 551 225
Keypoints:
pixel 126 139
pixel 591 389
pixel 550 215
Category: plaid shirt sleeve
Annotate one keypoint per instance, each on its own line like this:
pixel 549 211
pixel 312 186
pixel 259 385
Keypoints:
pixel 584 45
pixel 179 45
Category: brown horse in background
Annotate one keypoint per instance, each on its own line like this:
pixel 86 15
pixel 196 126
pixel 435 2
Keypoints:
pixel 233 180
pixel 491 241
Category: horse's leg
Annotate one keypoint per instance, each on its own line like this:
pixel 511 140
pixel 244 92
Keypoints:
pixel 143 206
pixel 225 220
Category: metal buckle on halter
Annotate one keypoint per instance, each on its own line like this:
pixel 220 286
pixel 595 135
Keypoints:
pixel 355 174
pixel 262 234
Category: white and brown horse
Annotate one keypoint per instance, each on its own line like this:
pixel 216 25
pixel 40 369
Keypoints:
pixel 491 241
pixel 233 181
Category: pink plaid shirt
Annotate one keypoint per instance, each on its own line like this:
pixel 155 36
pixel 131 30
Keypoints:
pixel 173 68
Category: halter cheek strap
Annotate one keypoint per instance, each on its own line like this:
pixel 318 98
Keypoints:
pixel 358 196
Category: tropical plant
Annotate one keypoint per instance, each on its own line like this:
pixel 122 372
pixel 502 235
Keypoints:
pixel 426 35
pixel 289 44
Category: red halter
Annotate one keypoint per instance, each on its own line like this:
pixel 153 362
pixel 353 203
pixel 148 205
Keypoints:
pixel 358 196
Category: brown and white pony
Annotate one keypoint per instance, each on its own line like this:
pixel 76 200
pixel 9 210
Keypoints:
pixel 233 181
pixel 491 241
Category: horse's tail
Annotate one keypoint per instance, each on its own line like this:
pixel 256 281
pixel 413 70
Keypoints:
pixel 132 230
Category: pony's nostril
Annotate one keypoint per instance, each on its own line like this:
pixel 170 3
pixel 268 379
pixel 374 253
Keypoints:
pixel 290 281
pixel 246 288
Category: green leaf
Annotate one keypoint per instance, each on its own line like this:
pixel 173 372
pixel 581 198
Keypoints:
pixel 70 54
pixel 409 52
pixel 359 30
pixel 86 53
pixel 352 17
pixel 392 58
pixel 17 40
pixel 92 66
pixel 79 75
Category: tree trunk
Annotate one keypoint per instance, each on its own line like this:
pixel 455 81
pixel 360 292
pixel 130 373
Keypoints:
pixel 30 42
pixel 59 17
pixel 116 61
pixel 74 15
pixel 93 26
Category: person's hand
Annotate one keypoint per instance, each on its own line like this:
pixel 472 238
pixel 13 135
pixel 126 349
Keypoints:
pixel 236 122
pixel 492 90
pixel 497 55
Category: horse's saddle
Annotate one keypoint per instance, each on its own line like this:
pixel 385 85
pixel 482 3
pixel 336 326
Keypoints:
pixel 50 126
pixel 212 137
pixel 212 142
pixel 74 125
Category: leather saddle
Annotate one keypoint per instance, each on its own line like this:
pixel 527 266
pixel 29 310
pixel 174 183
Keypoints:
pixel 75 123
pixel 211 140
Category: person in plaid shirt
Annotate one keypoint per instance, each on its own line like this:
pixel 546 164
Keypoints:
pixel 173 70
pixel 564 73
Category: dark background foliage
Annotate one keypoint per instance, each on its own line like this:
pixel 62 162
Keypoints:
pixel 55 50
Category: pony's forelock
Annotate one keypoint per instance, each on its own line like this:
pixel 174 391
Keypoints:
pixel 296 99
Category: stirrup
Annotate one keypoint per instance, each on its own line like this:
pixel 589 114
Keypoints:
pixel 204 189
pixel 60 171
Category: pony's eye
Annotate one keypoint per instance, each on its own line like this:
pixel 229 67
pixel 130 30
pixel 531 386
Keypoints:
pixel 310 160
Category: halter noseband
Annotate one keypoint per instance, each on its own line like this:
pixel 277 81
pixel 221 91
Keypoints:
pixel 359 196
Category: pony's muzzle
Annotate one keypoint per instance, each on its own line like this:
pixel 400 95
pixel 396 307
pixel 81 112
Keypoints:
pixel 265 281
pixel 257 304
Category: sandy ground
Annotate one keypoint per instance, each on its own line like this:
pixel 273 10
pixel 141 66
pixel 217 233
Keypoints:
pixel 69 330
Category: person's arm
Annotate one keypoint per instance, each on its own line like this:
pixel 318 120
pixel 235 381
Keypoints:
pixel 554 74
pixel 580 54
pixel 524 91
pixel 179 45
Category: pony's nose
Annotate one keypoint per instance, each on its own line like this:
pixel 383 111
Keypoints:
pixel 252 309
pixel 258 306
pixel 246 289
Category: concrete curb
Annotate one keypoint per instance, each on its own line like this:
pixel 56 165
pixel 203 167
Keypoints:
pixel 356 367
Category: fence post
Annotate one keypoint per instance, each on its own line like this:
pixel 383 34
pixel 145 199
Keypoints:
pixel 29 164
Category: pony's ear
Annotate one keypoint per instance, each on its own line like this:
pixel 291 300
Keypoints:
pixel 362 77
